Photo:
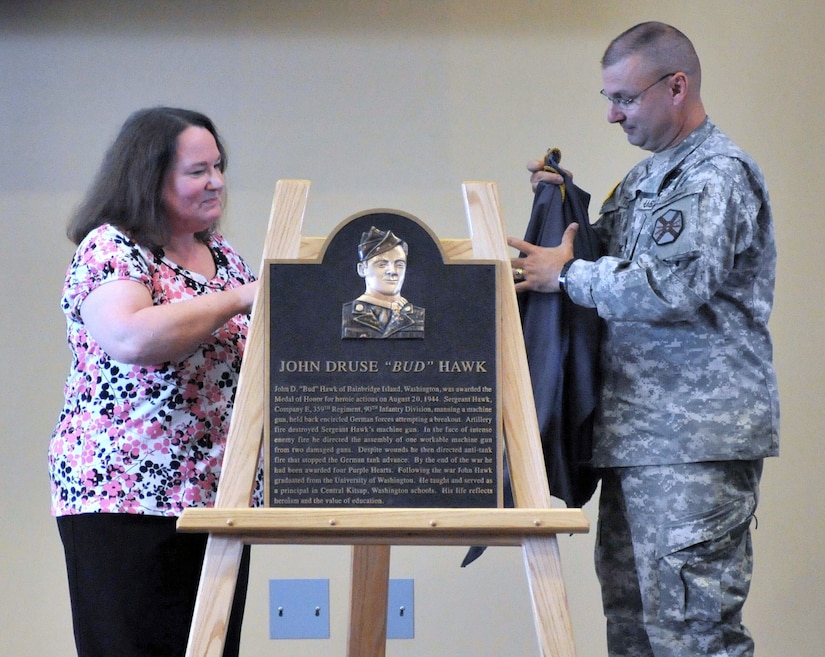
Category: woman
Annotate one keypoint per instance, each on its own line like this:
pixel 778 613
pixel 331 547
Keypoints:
pixel 157 307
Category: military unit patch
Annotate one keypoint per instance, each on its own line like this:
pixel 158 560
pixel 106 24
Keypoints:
pixel 668 227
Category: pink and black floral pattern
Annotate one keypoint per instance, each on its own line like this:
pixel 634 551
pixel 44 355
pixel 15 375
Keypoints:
pixel 144 439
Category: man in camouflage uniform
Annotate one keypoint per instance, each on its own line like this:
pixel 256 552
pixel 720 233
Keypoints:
pixel 689 402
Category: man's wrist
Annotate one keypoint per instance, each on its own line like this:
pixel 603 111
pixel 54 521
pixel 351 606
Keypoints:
pixel 563 274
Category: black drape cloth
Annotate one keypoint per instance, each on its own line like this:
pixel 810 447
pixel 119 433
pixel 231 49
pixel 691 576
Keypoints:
pixel 562 344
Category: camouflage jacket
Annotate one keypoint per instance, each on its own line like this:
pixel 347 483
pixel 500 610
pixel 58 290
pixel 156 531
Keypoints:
pixel 686 290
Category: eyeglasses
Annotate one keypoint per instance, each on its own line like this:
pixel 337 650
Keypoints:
pixel 626 103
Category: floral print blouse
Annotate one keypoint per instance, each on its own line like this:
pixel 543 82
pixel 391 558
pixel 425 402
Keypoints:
pixel 137 438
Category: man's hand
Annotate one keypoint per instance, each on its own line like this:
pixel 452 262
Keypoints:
pixel 538 174
pixel 539 269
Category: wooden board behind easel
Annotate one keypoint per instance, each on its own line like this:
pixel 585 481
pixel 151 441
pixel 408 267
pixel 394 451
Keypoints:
pixel 533 524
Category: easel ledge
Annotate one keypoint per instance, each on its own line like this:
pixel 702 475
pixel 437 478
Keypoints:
pixel 347 526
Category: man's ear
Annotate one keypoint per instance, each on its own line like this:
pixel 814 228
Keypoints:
pixel 361 267
pixel 679 85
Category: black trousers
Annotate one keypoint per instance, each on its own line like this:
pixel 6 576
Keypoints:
pixel 133 581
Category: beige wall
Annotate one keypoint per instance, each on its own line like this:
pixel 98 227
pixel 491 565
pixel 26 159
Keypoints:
pixel 386 104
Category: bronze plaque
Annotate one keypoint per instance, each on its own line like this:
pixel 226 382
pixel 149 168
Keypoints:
pixel 382 373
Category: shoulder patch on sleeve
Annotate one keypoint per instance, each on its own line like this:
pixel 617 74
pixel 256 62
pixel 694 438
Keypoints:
pixel 668 227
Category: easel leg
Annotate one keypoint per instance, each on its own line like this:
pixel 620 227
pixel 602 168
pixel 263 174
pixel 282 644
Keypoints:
pixel 214 602
pixel 368 600
pixel 552 616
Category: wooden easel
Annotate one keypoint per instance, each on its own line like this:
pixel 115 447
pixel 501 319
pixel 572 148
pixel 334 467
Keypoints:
pixel 532 524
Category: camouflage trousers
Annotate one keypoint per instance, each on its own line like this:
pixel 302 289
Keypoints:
pixel 674 558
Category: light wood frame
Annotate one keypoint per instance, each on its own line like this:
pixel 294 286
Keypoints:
pixel 533 524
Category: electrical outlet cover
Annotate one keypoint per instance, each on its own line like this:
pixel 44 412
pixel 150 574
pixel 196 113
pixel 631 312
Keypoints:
pixel 299 609
pixel 401 609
